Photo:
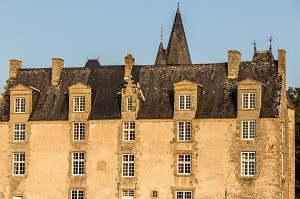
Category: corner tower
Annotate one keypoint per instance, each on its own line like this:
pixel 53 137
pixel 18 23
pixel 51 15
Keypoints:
pixel 177 52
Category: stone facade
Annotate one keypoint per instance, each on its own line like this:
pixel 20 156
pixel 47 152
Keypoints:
pixel 171 130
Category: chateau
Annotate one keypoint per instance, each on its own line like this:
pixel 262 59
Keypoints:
pixel 172 130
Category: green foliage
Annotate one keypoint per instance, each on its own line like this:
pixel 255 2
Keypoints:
pixel 294 94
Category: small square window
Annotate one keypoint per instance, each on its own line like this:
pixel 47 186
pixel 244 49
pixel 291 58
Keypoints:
pixel 248 130
pixel 18 163
pixel 129 131
pixel 20 105
pixel 128 194
pixel 19 132
pixel 184 164
pixel 78 131
pixel 248 163
pixel 184 102
pixel 128 165
pixel 184 131
pixel 248 100
pixel 79 104
pixel 184 195
pixel 77 194
pixel 78 163
pixel 129 104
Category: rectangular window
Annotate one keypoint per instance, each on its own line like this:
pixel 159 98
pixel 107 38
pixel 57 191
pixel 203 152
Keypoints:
pixel 248 163
pixel 78 131
pixel 128 194
pixel 77 194
pixel 184 195
pixel 184 102
pixel 17 197
pixel 19 132
pixel 129 131
pixel 129 104
pixel 20 105
pixel 128 165
pixel 184 131
pixel 18 163
pixel 78 163
pixel 154 194
pixel 184 163
pixel 248 130
pixel 248 100
pixel 79 104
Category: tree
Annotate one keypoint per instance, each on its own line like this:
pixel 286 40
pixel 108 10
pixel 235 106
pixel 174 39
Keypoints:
pixel 294 94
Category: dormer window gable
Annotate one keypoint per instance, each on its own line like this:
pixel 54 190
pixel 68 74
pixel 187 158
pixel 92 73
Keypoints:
pixel 21 101
pixel 185 99
pixel 79 101
pixel 249 97
pixel 131 95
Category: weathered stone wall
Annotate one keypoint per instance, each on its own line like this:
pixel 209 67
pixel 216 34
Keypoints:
pixel 215 148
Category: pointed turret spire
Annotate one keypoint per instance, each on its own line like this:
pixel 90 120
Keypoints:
pixel 178 51
pixel 161 57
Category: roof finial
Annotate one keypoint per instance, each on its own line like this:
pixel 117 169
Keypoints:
pixel 161 34
pixel 254 44
pixel 178 10
pixel 270 40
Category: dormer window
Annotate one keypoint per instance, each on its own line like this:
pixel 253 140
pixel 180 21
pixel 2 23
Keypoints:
pixel 248 100
pixel 129 104
pixel 184 102
pixel 79 104
pixel 20 105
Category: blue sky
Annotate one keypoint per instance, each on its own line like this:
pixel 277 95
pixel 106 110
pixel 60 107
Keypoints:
pixel 35 31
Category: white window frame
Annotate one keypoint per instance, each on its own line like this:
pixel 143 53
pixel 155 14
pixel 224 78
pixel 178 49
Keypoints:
pixel 20 105
pixel 184 129
pixel 19 164
pixel 17 197
pixel 129 104
pixel 19 132
pixel 128 166
pixel 184 102
pixel 248 130
pixel 77 194
pixel 248 163
pixel 128 131
pixel 78 163
pixel 184 164
pixel 78 131
pixel 248 100
pixel 79 104
pixel 180 194
pixel 128 194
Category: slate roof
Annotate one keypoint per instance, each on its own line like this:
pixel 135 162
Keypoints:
pixel 217 99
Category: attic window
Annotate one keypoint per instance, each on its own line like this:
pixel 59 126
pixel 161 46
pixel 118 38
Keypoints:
pixel 129 104
pixel 248 100
pixel 20 105
pixel 184 102
pixel 79 104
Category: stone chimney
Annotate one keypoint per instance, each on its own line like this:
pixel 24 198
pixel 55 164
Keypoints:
pixel 234 60
pixel 57 67
pixel 129 62
pixel 14 67
pixel 281 62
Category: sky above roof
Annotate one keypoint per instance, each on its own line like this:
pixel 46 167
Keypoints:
pixel 36 31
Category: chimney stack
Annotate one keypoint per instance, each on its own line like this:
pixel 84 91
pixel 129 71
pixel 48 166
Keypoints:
pixel 57 67
pixel 129 62
pixel 234 60
pixel 281 62
pixel 14 67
